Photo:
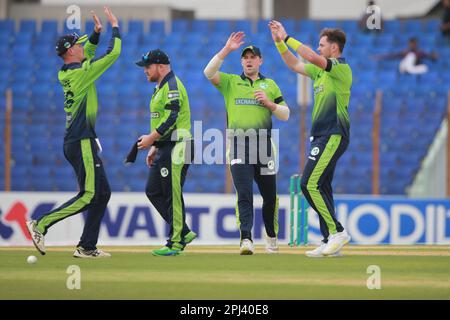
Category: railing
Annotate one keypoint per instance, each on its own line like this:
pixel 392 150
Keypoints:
pixel 376 144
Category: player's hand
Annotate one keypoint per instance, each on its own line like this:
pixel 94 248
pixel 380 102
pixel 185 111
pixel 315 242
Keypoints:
pixel 279 28
pixel 98 24
pixel 235 41
pixel 151 155
pixel 111 17
pixel 262 98
pixel 145 141
pixel 276 34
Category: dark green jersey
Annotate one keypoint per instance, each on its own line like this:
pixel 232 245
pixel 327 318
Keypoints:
pixel 243 110
pixel 78 81
pixel 170 112
pixel 331 98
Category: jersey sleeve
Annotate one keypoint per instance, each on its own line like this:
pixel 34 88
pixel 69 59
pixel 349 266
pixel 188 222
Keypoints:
pixel 171 109
pixel 94 68
pixel 335 70
pixel 278 97
pixel 312 70
pixel 224 82
pixel 91 45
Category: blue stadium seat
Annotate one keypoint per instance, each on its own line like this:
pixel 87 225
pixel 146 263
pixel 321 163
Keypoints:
pixel 432 26
pixel 28 26
pixel 49 27
pixel 392 26
pixel 222 26
pixel 309 26
pixel 181 26
pixel 201 25
pixel 244 25
pixel 157 26
pixel 135 27
pixel 412 26
pixel 7 26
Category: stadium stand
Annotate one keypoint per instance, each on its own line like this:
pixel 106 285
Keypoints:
pixel 413 106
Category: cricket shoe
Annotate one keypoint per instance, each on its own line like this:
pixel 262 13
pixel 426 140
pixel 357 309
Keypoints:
pixel 318 252
pixel 271 244
pixel 36 236
pixel 189 237
pixel 246 247
pixel 336 242
pixel 80 252
pixel 166 252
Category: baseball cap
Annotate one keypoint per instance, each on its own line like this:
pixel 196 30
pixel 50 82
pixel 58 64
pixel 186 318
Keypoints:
pixel 253 49
pixel 154 56
pixel 68 41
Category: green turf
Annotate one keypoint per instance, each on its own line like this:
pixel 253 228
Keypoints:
pixel 223 276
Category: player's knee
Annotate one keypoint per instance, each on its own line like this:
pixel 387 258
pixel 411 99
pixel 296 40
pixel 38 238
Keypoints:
pixel 105 195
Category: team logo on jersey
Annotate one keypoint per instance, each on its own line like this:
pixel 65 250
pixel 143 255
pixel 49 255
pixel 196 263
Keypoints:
pixel 154 115
pixel 263 85
pixel 318 89
pixel 271 165
pixel 315 151
pixel 164 172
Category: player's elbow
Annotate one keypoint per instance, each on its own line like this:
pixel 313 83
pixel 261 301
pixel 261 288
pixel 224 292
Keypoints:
pixel 314 58
pixel 206 73
pixel 285 116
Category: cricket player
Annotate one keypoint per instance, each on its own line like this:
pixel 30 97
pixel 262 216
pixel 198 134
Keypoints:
pixel 330 130
pixel 81 147
pixel 171 149
pixel 250 101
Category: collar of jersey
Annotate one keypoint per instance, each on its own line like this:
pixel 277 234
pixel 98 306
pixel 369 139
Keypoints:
pixel 243 76
pixel 166 78
pixel 73 65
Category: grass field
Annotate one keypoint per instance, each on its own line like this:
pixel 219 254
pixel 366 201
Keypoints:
pixel 217 272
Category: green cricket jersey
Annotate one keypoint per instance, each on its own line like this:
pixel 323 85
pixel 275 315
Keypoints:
pixel 170 112
pixel 78 81
pixel 243 110
pixel 331 97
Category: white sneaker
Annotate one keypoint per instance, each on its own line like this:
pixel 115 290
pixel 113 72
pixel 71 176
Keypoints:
pixel 271 245
pixel 318 252
pixel 36 236
pixel 336 242
pixel 246 247
pixel 96 254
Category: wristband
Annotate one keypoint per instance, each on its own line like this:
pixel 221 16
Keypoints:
pixel 294 44
pixel 281 46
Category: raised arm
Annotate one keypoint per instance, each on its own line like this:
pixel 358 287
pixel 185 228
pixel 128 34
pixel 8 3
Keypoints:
pixel 91 45
pixel 211 71
pixel 95 67
pixel 304 51
pixel 293 63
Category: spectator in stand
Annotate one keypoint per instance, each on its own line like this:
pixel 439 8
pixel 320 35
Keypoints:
pixel 412 58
